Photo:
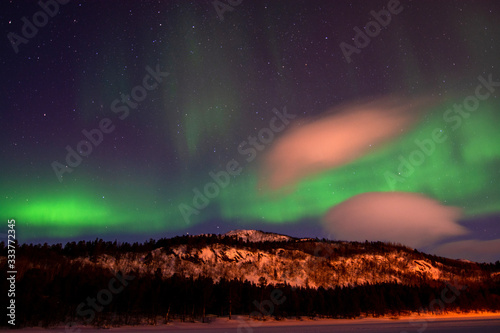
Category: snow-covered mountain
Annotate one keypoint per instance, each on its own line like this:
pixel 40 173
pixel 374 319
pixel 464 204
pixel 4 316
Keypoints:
pixel 258 256
pixel 257 236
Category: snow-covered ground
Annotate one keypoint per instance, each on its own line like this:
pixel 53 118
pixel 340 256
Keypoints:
pixel 458 323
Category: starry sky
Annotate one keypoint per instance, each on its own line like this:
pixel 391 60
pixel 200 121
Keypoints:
pixel 132 120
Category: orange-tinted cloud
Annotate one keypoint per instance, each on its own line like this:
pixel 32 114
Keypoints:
pixel 470 249
pixel 408 218
pixel 339 137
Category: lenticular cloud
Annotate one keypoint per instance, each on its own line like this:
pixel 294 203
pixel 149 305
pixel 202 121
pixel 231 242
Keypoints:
pixel 339 137
pixel 408 218
pixel 471 249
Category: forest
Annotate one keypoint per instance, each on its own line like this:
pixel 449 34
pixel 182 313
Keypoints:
pixel 53 289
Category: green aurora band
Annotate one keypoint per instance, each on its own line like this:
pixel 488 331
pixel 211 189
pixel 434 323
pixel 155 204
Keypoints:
pixel 462 171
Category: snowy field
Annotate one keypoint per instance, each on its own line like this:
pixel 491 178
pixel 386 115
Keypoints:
pixel 483 324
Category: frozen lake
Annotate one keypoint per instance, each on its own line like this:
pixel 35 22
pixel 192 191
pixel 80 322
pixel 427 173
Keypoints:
pixel 481 325
pixel 434 325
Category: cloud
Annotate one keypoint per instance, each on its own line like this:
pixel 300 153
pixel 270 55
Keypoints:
pixel 408 218
pixel 339 137
pixel 472 249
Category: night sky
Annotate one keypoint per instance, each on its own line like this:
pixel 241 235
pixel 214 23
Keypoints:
pixel 132 120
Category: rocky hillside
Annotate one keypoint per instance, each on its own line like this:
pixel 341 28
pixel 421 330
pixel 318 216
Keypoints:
pixel 258 257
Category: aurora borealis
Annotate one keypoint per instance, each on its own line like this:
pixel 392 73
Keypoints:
pixel 226 81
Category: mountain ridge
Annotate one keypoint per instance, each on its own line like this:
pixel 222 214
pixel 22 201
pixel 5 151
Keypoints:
pixel 256 256
pixel 252 235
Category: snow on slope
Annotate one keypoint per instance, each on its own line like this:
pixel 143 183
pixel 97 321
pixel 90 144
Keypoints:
pixel 426 268
pixel 285 263
pixel 257 236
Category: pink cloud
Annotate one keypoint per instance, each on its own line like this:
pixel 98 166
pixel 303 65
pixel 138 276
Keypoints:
pixel 408 218
pixel 471 249
pixel 342 135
